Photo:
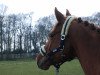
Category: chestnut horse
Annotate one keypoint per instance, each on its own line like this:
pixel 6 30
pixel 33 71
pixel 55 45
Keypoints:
pixel 82 40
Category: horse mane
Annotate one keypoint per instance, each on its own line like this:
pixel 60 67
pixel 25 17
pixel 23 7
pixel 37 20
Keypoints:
pixel 90 25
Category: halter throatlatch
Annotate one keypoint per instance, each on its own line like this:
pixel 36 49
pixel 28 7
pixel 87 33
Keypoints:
pixel 64 33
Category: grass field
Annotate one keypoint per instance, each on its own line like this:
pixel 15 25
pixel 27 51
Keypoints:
pixel 29 67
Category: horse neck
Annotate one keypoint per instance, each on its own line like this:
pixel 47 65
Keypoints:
pixel 87 46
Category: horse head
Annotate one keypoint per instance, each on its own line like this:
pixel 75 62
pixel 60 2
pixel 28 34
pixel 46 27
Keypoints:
pixel 53 52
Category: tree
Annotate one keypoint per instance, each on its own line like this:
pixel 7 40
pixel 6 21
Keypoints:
pixel 1 32
pixel 14 29
pixel 3 10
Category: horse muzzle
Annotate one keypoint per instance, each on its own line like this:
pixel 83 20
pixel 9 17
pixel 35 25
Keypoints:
pixel 43 63
pixel 42 59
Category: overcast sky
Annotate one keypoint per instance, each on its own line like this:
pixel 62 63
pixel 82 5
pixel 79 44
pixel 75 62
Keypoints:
pixel 46 7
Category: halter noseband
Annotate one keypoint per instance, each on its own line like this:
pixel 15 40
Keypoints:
pixel 64 33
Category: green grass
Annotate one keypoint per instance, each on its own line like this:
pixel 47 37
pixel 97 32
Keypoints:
pixel 30 68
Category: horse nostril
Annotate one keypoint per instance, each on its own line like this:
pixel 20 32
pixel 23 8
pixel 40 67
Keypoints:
pixel 38 64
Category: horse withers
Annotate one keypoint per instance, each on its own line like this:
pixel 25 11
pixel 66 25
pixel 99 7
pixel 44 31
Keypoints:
pixel 71 37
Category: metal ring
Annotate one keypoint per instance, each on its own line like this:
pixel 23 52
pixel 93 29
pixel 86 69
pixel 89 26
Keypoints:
pixel 62 37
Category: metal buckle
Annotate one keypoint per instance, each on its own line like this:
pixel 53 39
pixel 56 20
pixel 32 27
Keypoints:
pixel 57 71
pixel 57 66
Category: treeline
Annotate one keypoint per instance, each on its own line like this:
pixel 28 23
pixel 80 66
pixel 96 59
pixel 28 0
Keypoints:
pixel 15 34
pixel 20 38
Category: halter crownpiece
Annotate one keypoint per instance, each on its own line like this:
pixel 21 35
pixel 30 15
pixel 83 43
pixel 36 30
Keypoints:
pixel 66 25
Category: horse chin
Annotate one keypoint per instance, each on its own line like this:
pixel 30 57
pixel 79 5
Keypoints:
pixel 44 65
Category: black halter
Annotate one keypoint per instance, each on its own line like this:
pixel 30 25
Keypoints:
pixel 61 46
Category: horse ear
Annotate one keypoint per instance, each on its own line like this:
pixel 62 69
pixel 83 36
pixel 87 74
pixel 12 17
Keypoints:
pixel 67 13
pixel 59 15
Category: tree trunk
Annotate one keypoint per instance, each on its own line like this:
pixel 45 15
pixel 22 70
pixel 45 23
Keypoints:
pixel 1 23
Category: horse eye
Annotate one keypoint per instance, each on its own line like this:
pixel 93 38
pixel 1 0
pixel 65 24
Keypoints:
pixel 51 35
